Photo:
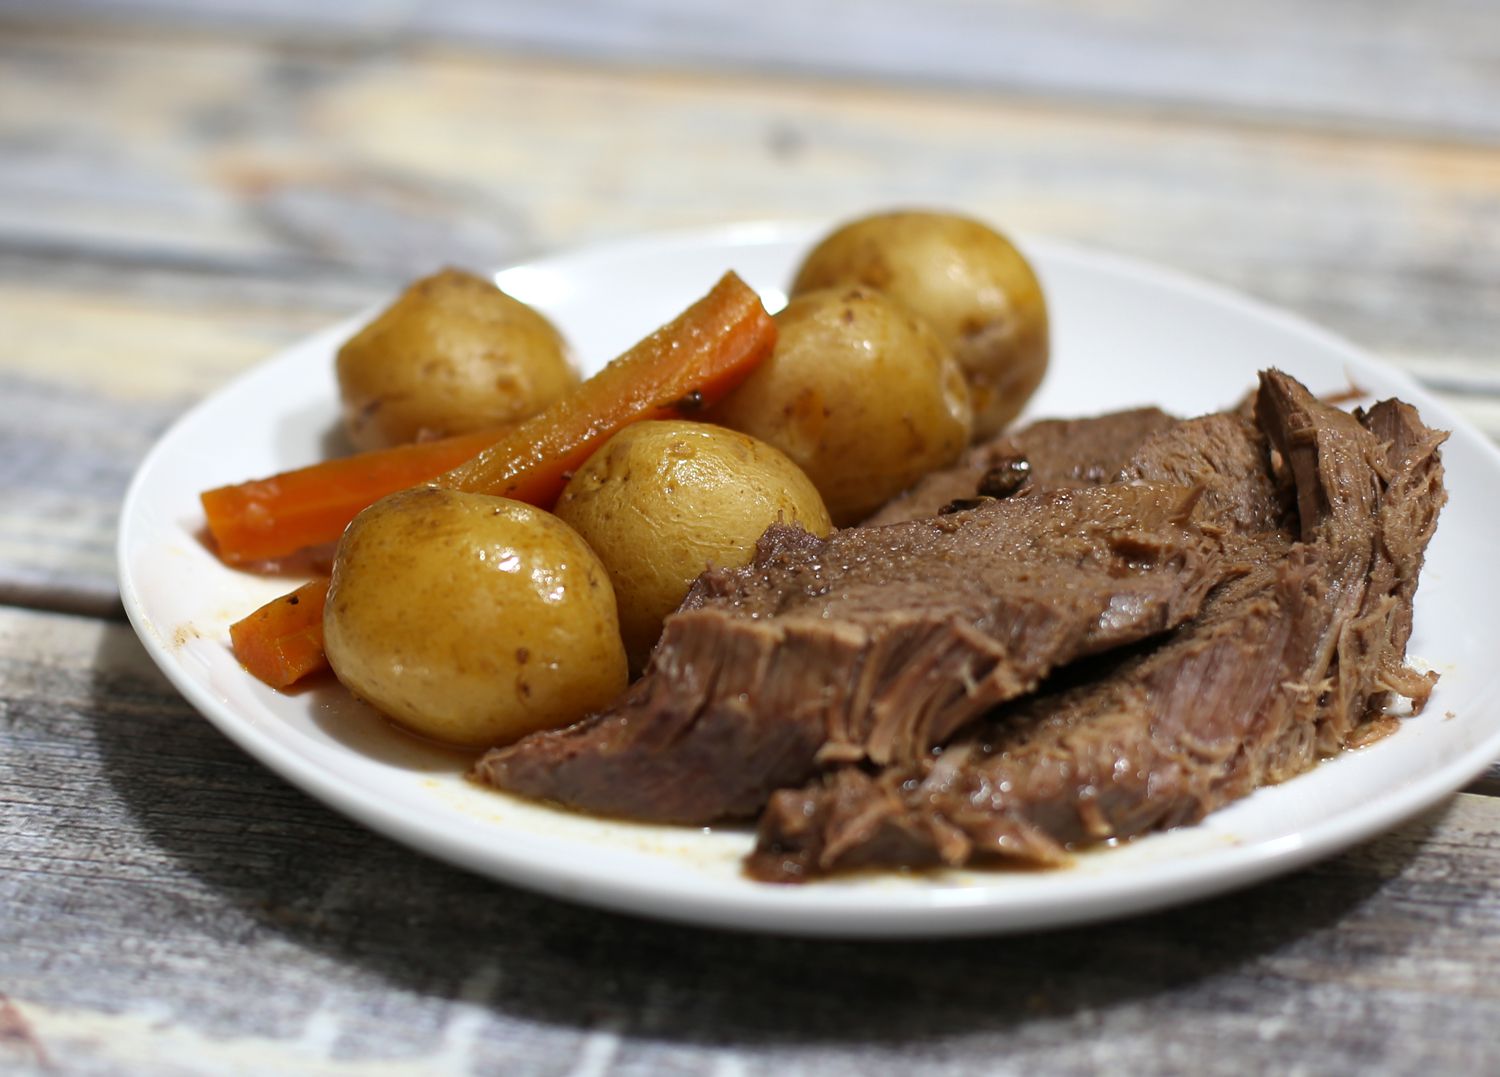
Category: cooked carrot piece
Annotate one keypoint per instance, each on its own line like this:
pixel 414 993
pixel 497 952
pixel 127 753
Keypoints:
pixel 274 517
pixel 687 365
pixel 282 642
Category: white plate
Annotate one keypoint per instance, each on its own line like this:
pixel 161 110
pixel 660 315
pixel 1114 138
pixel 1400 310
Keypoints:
pixel 1125 334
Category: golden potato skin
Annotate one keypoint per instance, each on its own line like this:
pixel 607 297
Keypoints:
pixel 966 280
pixel 860 393
pixel 471 619
pixel 454 353
pixel 661 501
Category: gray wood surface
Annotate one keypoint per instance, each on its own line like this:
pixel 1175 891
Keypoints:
pixel 1428 70
pixel 186 187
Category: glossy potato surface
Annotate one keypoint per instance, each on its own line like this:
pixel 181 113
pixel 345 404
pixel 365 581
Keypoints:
pixel 454 353
pixel 860 393
pixel 661 501
pixel 471 619
pixel 966 280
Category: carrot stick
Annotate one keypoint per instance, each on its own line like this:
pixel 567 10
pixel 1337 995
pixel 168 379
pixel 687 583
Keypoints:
pixel 268 518
pixel 687 365
pixel 282 642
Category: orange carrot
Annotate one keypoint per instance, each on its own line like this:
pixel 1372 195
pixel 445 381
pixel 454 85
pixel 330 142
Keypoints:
pixel 684 367
pixel 274 517
pixel 687 365
pixel 282 642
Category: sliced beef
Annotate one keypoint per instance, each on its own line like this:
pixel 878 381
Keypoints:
pixel 1060 452
pixel 1228 457
pixel 874 644
pixel 1286 663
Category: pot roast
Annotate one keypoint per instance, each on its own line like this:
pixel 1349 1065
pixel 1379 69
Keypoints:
pixel 1086 630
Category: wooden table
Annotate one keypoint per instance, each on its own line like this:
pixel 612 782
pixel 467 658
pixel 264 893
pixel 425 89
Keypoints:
pixel 185 187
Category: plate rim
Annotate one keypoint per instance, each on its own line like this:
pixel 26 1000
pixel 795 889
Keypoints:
pixel 813 910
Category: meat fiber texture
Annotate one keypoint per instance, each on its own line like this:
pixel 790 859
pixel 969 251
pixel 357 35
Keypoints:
pixel 873 645
pixel 1060 452
pixel 1294 657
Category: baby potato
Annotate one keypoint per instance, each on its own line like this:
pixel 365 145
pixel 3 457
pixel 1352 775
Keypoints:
pixel 860 393
pixel 454 353
pixel 967 281
pixel 471 619
pixel 661 501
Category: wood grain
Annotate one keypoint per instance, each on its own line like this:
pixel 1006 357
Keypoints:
pixel 382 164
pixel 1380 64
pixel 172 906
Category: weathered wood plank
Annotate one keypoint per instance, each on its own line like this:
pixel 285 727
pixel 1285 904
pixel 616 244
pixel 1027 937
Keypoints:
pixel 1368 63
pixel 386 162
pixel 173 908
